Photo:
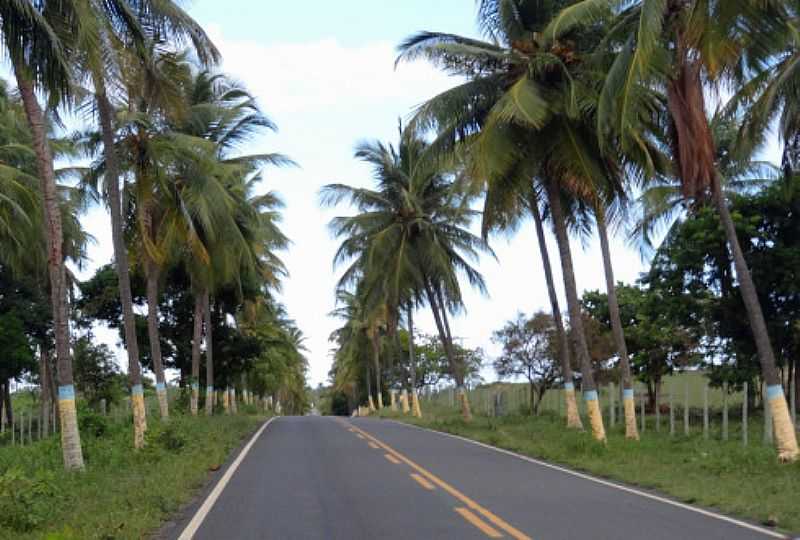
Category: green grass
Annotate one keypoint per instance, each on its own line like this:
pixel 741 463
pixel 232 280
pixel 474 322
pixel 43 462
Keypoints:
pixel 123 493
pixel 742 481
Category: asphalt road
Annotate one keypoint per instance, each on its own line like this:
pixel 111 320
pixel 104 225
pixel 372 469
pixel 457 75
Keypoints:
pixel 320 477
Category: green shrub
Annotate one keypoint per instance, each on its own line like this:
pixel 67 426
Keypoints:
pixel 90 422
pixel 25 502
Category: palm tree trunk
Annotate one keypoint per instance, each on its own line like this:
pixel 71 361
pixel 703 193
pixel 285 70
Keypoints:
pixel 44 380
pixel 70 436
pixel 197 336
pixel 105 112
pixel 415 408
pixel 573 417
pixel 785 436
pixel 376 361
pixel 155 339
pixel 7 406
pixel 370 403
pixel 209 355
pixel 438 308
pixel 574 307
pixel 616 328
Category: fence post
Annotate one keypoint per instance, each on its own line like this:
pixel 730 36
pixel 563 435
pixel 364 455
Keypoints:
pixel 725 411
pixel 705 410
pixel 686 411
pixel 103 406
pixel 611 416
pixel 30 427
pixel 641 411
pixel 658 408
pixel 744 416
pixel 672 409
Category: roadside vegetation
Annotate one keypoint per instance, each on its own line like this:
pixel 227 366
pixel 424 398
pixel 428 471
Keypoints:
pixel 746 482
pixel 592 119
pixel 122 494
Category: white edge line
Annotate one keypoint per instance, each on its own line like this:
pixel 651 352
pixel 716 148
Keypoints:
pixel 190 530
pixel 605 483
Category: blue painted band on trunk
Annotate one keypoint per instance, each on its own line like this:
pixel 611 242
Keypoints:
pixel 774 391
pixel 66 392
pixel 160 387
pixel 195 386
pixel 590 395
pixel 209 389
pixel 627 393
pixel 137 390
pixel 569 386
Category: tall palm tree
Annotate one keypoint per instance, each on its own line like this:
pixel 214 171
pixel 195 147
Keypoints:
pixel 409 240
pixel 683 47
pixel 40 62
pixel 103 35
pixel 524 115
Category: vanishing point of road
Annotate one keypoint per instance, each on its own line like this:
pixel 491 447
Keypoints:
pixel 330 478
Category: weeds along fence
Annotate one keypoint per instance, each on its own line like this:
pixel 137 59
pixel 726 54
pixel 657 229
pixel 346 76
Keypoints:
pixel 31 423
pixel 683 407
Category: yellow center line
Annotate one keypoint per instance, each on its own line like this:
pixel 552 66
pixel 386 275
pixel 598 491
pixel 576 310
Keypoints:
pixel 391 458
pixel 421 481
pixel 497 521
pixel 478 522
pixel 373 445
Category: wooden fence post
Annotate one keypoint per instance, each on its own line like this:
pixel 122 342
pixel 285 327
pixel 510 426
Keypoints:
pixel 725 411
pixel 705 410
pixel 686 411
pixel 641 411
pixel 658 408
pixel 744 416
pixel 672 409
pixel 611 416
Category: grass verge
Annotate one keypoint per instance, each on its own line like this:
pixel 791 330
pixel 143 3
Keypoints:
pixel 123 493
pixel 742 481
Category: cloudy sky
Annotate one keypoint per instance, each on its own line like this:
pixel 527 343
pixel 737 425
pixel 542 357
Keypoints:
pixel 324 72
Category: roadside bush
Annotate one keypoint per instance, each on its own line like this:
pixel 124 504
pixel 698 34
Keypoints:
pixel 25 502
pixel 91 422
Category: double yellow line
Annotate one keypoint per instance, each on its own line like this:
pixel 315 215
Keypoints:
pixel 425 476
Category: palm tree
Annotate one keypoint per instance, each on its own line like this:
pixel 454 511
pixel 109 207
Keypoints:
pixel 39 62
pixel 414 225
pixel 523 116
pixel 684 46
pixel 104 35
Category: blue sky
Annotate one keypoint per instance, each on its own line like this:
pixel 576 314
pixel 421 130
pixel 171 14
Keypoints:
pixel 324 72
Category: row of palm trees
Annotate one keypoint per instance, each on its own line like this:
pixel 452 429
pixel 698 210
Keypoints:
pixel 166 158
pixel 565 112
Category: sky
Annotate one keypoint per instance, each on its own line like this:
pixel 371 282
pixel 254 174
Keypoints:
pixel 324 72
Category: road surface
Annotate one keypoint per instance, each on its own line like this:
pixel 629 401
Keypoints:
pixel 328 478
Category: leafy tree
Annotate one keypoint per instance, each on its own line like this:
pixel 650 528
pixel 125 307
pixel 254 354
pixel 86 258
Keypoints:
pixel 530 346
pixel 96 373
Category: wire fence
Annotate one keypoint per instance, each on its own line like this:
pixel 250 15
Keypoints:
pixel 679 407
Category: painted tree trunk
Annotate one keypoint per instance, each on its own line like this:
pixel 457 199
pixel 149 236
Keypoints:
pixel 371 404
pixel 784 431
pixel 376 360
pixel 209 355
pixel 575 318
pixel 112 178
pixel 415 408
pixel 197 336
pixel 155 338
pixel 439 316
pixel 571 406
pixel 53 233
pixel 628 399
